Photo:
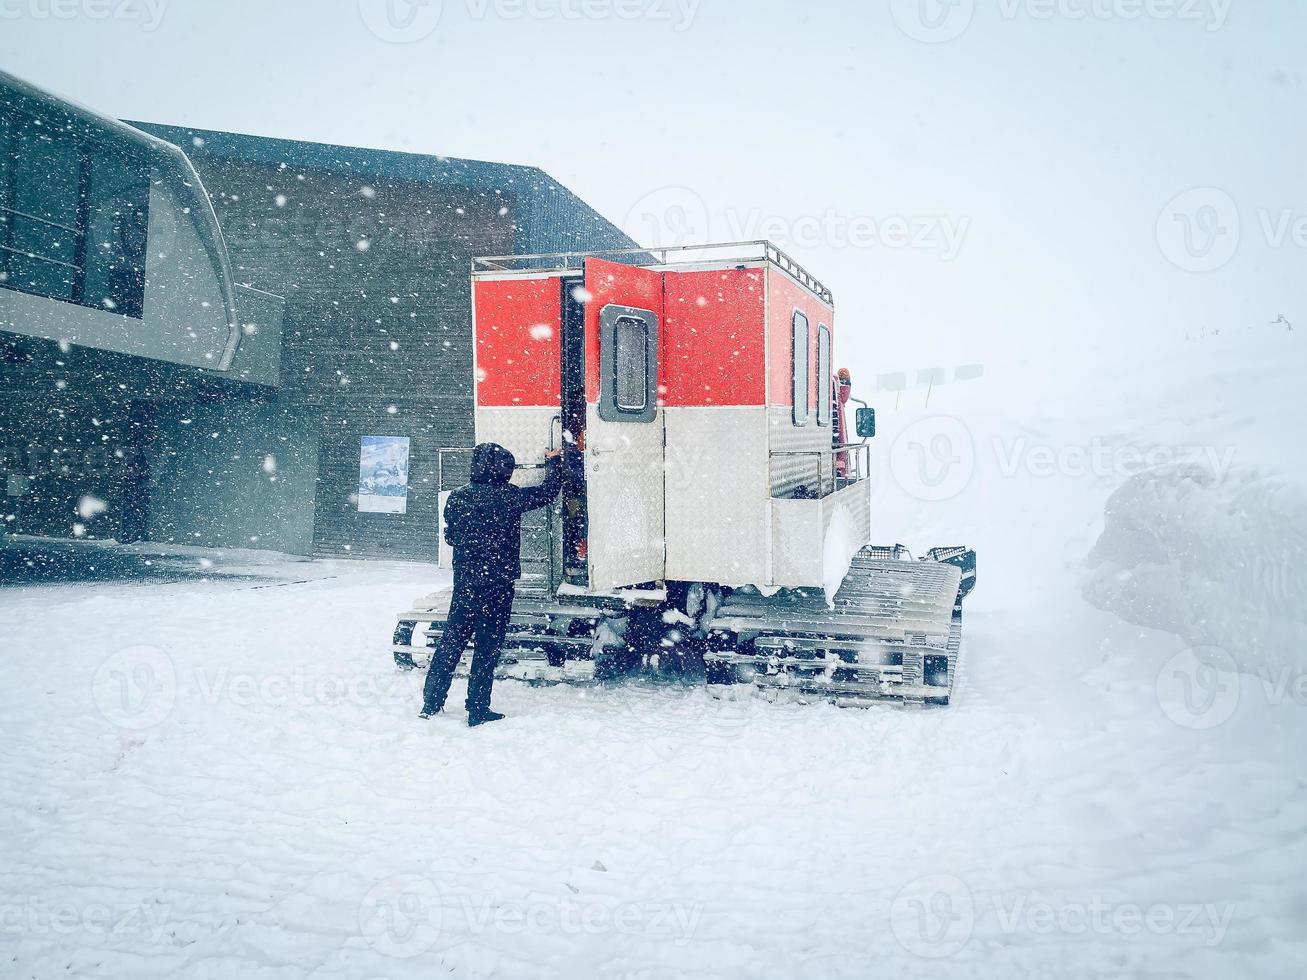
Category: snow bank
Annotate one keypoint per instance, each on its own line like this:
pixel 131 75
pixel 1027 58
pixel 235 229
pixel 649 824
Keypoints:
pixel 234 771
pixel 1218 560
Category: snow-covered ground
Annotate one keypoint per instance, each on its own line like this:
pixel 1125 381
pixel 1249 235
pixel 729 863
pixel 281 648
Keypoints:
pixel 220 773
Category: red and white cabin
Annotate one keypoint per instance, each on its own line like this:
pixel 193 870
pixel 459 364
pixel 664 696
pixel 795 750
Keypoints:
pixel 698 384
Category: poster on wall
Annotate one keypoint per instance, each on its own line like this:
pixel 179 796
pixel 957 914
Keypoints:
pixel 383 475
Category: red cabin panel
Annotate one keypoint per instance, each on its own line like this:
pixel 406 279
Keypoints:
pixel 714 334
pixel 786 297
pixel 519 349
pixel 611 282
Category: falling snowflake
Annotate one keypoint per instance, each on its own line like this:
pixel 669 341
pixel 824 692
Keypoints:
pixel 542 331
pixel 90 506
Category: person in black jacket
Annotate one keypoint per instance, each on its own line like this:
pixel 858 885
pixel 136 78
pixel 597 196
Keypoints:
pixel 483 524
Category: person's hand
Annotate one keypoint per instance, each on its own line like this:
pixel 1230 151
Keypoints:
pixel 554 454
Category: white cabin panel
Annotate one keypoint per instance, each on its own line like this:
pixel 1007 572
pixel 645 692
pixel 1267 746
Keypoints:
pixel 525 431
pixel 625 499
pixel 717 495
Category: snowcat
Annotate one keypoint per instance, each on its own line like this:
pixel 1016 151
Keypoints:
pixel 715 520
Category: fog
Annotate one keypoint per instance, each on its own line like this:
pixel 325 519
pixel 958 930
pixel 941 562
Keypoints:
pixel 976 181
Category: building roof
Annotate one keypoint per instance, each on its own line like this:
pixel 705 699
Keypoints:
pixel 553 219
pixel 358 161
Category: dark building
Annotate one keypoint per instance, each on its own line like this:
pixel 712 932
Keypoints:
pixel 371 251
pixel 350 314
pixel 118 313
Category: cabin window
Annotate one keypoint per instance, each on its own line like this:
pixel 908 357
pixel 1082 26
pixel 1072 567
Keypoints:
pixel 628 364
pixel 74 216
pixel 801 373
pixel 823 375
pixel 631 365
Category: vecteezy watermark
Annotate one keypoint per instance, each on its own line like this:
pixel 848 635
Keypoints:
pixel 401 916
pixel 410 21
pixel 1200 688
pixel 1098 459
pixel 671 217
pixel 1205 922
pixel 935 917
pixel 36 917
pixel 148 13
pixel 139 687
pixel 136 688
pixel 569 917
pixel 939 21
pixel 401 21
pixel 404 916
pixel 304 686
pixel 933 21
pixel 934 458
pixel 1201 230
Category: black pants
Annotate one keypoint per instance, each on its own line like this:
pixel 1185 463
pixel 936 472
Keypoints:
pixel 480 610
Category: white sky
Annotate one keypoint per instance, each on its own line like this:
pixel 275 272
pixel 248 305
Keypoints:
pixel 1051 133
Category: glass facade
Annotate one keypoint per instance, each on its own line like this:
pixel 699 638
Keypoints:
pixel 74 215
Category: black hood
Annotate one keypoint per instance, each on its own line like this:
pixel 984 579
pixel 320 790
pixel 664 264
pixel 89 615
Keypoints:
pixel 492 463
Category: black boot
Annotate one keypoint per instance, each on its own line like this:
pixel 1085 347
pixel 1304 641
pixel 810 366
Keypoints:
pixel 481 717
pixel 428 712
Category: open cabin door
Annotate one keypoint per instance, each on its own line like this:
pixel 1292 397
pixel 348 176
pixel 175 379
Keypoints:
pixel 624 425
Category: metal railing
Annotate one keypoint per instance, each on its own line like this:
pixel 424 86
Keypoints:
pixel 754 251
pixel 833 470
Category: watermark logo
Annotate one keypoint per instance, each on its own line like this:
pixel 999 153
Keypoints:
pixel 933 21
pixel 1199 688
pixel 669 217
pixel 934 458
pixel 148 13
pixel 1205 922
pixel 107 924
pixel 1100 460
pixel 680 14
pixel 655 920
pixel 939 21
pixel 410 21
pixel 933 917
pixel 401 916
pixel 136 688
pixel 401 21
pixel 677 216
pixel 1199 230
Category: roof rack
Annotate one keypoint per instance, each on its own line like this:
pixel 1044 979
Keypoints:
pixel 756 251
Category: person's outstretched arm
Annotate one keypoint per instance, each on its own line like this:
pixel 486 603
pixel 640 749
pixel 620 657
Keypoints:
pixel 533 498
